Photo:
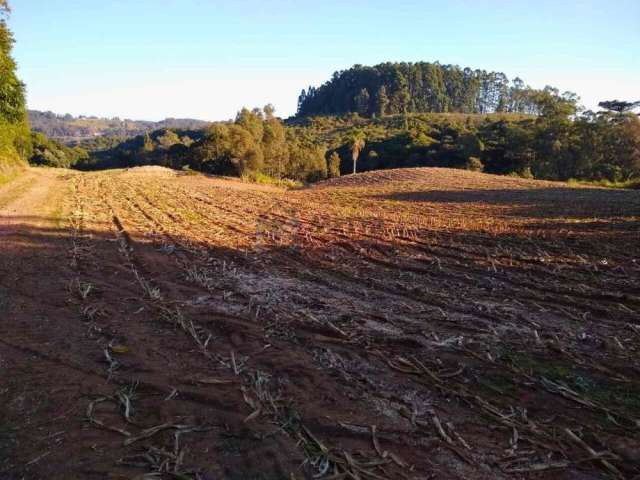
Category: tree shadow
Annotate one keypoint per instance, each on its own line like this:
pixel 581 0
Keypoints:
pixel 536 203
pixel 38 258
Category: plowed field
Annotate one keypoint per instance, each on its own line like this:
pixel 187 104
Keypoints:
pixel 402 324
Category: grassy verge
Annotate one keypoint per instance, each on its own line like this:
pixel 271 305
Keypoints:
pixel 259 178
pixel 6 175
pixel 629 184
pixel 263 179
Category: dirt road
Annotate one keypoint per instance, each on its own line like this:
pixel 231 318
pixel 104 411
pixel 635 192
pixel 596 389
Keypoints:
pixel 407 324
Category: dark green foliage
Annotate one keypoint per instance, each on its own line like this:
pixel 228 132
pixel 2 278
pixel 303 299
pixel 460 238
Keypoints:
pixel 98 144
pixel 382 101
pixel 362 102
pixel 619 106
pixel 306 158
pixel 12 96
pixel 147 145
pixel 556 145
pixel 154 148
pixel 392 88
pixel 51 153
pixel 15 144
pixel 549 140
pixel 256 143
pixel 474 164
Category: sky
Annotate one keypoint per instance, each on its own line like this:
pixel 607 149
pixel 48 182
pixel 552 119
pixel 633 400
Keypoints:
pixel 206 59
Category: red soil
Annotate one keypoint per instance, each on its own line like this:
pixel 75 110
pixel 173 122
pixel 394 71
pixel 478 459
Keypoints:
pixel 424 323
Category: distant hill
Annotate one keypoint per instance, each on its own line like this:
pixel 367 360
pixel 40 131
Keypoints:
pixel 393 88
pixel 70 129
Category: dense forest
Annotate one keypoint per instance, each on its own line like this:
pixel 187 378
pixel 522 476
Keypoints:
pixel 73 129
pixel 14 128
pixel 552 146
pixel 51 153
pixel 392 88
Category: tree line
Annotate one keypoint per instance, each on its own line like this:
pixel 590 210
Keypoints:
pixel 15 139
pixel 558 144
pixel 394 88
pixel 553 146
pixel 69 128
pixel 51 153
pixel 364 118
pixel 255 144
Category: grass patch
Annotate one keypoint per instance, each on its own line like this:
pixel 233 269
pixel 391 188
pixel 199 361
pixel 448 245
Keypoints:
pixel 263 179
pixel 629 184
pixel 187 170
pixel 623 396
pixel 7 176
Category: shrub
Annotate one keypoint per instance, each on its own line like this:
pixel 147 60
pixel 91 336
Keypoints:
pixel 474 164
pixel 333 165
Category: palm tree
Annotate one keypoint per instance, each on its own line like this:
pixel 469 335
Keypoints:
pixel 357 145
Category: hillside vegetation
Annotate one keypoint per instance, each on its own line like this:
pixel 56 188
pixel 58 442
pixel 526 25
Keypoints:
pixel 391 88
pixel 479 122
pixel 257 144
pixel 422 115
pixel 554 145
pixel 14 128
pixel 72 129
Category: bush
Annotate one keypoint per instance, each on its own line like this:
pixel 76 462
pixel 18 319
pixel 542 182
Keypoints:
pixel 606 171
pixel 264 179
pixel 50 153
pixel 333 165
pixel 186 169
pixel 474 164
pixel 522 173
pixel 15 148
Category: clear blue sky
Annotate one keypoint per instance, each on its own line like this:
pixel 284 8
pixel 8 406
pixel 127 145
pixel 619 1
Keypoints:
pixel 150 59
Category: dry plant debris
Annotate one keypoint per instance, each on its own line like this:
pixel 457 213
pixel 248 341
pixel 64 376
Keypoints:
pixel 409 324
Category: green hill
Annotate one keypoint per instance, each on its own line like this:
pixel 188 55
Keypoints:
pixel 393 88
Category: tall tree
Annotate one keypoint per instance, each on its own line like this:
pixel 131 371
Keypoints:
pixel 168 139
pixel 619 106
pixel 245 151
pixel 15 137
pixel 415 87
pixel 269 111
pixel 12 96
pixel 356 145
pixel 147 144
pixel 382 101
pixel 361 101
pixel 274 145
pixel 252 122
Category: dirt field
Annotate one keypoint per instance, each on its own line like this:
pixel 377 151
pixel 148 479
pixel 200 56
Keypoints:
pixel 404 324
